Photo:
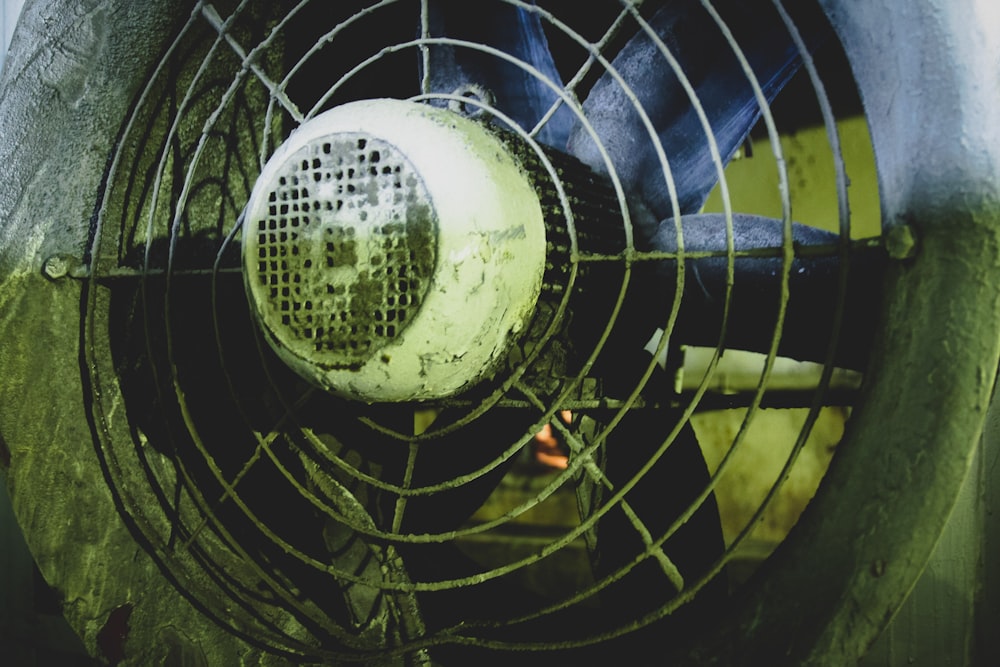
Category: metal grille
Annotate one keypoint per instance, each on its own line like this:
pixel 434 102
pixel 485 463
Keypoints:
pixel 345 247
pixel 224 444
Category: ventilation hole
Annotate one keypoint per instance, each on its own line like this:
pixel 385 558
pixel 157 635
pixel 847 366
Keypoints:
pixel 347 331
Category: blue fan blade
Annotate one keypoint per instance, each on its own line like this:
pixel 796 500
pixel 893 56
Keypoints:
pixel 707 59
pixel 515 31
pixel 814 290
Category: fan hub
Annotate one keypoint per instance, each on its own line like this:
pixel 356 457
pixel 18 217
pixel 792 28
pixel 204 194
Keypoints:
pixel 392 251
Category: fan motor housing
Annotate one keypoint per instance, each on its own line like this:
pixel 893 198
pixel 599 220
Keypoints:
pixel 392 251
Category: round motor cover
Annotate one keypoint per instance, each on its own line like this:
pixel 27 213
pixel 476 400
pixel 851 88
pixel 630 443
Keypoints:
pixel 392 251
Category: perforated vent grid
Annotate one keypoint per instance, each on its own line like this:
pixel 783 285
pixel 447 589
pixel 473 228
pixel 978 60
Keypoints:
pixel 345 246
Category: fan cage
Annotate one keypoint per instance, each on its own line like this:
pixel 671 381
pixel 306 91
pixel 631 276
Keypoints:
pixel 162 236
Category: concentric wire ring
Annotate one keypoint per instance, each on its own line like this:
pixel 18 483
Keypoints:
pixel 153 231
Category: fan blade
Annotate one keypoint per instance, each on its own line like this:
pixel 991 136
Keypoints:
pixel 517 92
pixel 645 513
pixel 720 84
pixel 814 289
pixel 458 453
pixel 437 460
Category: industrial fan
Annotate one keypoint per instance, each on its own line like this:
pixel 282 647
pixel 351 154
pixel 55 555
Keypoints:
pixel 289 289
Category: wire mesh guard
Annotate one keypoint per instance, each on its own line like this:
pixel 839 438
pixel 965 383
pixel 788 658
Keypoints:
pixel 329 529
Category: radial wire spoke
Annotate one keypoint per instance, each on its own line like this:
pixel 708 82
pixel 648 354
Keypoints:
pixel 277 92
pixel 475 446
pixel 598 477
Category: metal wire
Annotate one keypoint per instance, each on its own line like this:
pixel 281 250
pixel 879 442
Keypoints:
pixel 188 527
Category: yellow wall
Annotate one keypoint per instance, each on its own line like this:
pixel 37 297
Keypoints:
pixel 753 181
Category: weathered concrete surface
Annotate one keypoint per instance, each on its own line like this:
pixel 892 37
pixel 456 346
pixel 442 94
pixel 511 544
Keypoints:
pixel 73 70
